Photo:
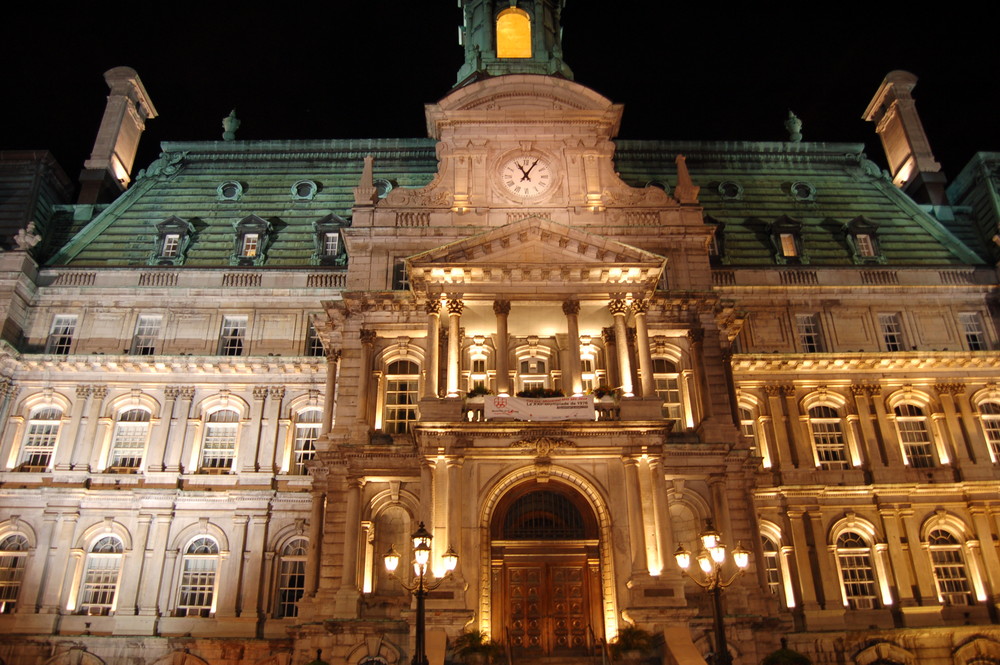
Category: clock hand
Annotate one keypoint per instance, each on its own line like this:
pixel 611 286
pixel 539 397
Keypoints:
pixel 527 173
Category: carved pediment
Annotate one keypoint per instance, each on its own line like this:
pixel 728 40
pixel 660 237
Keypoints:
pixel 535 251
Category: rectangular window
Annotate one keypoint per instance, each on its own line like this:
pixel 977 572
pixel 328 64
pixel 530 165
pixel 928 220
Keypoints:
pixel 251 244
pixel 972 327
pixel 231 338
pixel 865 245
pixel 400 404
pixel 171 245
pixel 40 441
pixel 61 335
pixel 147 329
pixel 314 345
pixel 810 339
pixel 331 243
pixel 400 278
pixel 788 246
pixel 911 423
pixel 100 584
pixel 197 589
pixel 892 332
pixel 306 433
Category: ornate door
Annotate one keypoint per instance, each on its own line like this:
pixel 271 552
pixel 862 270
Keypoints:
pixel 547 607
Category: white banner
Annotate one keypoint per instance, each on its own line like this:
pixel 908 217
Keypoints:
pixel 549 408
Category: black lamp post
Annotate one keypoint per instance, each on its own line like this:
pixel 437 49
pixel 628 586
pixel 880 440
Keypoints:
pixel 710 560
pixel 420 586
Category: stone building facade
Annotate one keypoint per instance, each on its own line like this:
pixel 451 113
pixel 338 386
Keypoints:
pixel 230 389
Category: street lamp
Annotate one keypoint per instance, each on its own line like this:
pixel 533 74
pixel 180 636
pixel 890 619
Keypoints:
pixel 420 586
pixel 710 560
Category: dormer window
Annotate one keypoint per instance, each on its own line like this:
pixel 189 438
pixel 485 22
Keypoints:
pixel 730 191
pixel 786 241
pixel 253 236
pixel 304 190
pixel 173 235
pixel 327 250
pixel 513 33
pixel 862 240
pixel 230 191
pixel 802 191
pixel 716 242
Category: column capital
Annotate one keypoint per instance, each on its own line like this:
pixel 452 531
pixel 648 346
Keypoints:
pixel 187 392
pixel 367 336
pixel 100 392
pixel 455 307
pixel 83 391
pixel 696 335
pixel 277 392
pixel 334 355
pixel 259 393
pixel 501 307
pixel 873 390
pixel 608 335
pixel 172 392
pixel 618 307
pixel 640 306
pixel 432 306
pixel 571 307
pixel 858 390
pixel 950 388
pixel 773 390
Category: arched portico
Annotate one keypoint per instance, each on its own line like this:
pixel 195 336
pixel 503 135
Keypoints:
pixel 546 565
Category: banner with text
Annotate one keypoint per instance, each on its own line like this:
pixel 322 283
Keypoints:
pixel 550 408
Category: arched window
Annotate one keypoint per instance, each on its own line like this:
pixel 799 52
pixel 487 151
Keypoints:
pixel 949 568
pixel 828 437
pixel 914 437
pixel 129 441
pixel 40 440
pixel 857 573
pixel 291 577
pixel 401 393
pixel 306 432
pixel 772 569
pixel 513 33
pixel 666 382
pixel 100 577
pixel 543 515
pixel 989 412
pixel 218 447
pixel 13 557
pixel 196 594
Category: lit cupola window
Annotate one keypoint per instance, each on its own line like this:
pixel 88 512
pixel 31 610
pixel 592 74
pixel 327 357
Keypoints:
pixel 513 33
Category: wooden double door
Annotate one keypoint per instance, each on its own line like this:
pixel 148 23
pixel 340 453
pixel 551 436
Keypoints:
pixel 547 600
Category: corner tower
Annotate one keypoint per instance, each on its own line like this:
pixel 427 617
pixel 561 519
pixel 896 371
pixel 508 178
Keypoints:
pixel 511 37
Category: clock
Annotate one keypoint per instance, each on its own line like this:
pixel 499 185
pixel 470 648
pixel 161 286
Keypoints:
pixel 526 176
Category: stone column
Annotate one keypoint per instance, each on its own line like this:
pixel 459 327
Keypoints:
pixel 640 307
pixel 426 491
pixel 925 584
pixel 433 349
pixel 132 569
pixel 893 453
pixel 180 443
pixel 368 338
pixel 161 433
pixel 454 538
pixel 702 398
pixel 800 545
pixel 973 430
pixel 610 355
pixel 251 434
pixel 57 563
pixel 82 453
pixel 870 450
pixel 252 564
pixel 316 517
pixel 991 557
pixel 661 517
pixel 347 597
pixel 946 393
pixel 636 528
pixel 780 423
pixel 829 577
pixel 455 307
pixel 619 309
pixel 893 538
pixel 65 453
pixel 329 396
pixel 798 426
pixel 502 309
pixel 231 569
pixel 269 430
pixel 154 569
pixel 31 585
pixel 571 308
pixel 720 504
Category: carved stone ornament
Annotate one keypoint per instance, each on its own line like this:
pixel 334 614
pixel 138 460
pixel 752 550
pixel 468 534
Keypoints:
pixel 27 238
pixel 543 445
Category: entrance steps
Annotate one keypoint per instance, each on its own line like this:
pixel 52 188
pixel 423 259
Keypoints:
pixel 557 660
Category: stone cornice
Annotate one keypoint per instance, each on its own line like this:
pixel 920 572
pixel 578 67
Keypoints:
pixel 164 365
pixel 866 362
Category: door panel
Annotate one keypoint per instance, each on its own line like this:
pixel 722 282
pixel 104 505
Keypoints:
pixel 547 607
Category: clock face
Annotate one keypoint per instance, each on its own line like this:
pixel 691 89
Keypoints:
pixel 526 176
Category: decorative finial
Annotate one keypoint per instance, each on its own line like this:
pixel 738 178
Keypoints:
pixel 794 127
pixel 26 238
pixel 230 124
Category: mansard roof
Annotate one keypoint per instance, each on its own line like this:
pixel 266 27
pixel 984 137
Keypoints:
pixel 745 188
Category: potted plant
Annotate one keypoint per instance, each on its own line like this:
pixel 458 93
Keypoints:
pixel 632 644
pixel 478 391
pixel 540 393
pixel 605 393
pixel 475 647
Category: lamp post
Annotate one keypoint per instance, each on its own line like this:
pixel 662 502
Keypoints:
pixel 710 560
pixel 420 586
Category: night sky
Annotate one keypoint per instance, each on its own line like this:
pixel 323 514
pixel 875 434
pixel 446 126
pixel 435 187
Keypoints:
pixel 335 72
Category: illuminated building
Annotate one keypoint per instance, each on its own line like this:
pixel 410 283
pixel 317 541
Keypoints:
pixel 803 350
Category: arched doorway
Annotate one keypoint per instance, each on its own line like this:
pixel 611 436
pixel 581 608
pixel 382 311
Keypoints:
pixel 544 553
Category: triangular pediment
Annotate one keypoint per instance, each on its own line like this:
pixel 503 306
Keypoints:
pixel 534 252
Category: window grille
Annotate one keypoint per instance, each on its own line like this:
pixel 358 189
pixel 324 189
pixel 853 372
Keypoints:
pixel 401 394
pixel 892 332
pixel 975 334
pixel 666 383
pixel 61 335
pixel 219 445
pixel 291 577
pixel 772 571
pixel 13 557
pixel 828 437
pixel 232 335
pixel 147 330
pixel 808 328
pixel 990 414
pixel 911 423
pixel 100 579
pixel 129 441
pixel 949 568
pixel 856 571
pixel 40 440
pixel 543 515
pixel 196 595
pixel 306 432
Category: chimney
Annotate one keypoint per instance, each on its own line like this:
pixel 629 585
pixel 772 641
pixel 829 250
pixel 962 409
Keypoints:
pixel 108 171
pixel 911 162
